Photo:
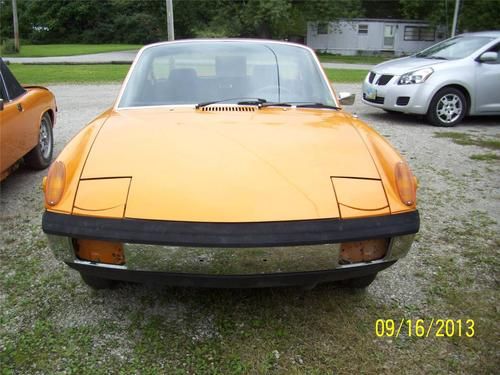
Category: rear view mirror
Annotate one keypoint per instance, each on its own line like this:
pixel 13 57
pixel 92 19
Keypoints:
pixel 489 57
pixel 346 98
pixel 1 104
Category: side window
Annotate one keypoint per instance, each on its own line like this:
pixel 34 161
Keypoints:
pixel 2 93
pixel 362 29
pixel 14 89
pixel 322 28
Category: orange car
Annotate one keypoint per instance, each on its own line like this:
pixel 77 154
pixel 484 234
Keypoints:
pixel 27 115
pixel 229 163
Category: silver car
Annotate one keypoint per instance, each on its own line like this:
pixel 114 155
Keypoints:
pixel 454 78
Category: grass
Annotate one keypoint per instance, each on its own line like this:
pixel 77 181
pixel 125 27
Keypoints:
pixel 51 74
pixel 466 139
pixel 346 75
pixel 50 322
pixel 326 57
pixel 44 50
pixel 95 73
pixel 485 157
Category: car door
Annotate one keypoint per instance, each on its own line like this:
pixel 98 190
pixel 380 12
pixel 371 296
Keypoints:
pixel 14 121
pixel 488 84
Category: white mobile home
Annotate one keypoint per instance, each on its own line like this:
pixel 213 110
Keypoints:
pixel 370 36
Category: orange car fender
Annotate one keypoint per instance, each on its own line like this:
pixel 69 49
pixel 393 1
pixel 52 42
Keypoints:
pixel 385 158
pixel 36 102
pixel 73 157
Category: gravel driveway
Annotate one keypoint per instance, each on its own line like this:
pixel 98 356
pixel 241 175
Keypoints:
pixel 451 272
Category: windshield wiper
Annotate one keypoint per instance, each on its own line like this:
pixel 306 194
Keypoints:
pixel 276 104
pixel 299 105
pixel 316 105
pixel 264 103
pixel 250 101
pixel 257 101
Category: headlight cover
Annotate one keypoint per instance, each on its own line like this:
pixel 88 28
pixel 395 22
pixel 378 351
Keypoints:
pixel 54 184
pixel 406 184
pixel 418 76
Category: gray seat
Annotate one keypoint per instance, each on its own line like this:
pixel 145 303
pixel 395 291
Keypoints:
pixel 231 76
pixel 265 73
pixel 182 86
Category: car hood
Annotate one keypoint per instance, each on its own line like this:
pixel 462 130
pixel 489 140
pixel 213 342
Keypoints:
pixel 405 65
pixel 192 165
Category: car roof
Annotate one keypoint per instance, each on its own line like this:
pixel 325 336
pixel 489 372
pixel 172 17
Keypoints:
pixel 216 40
pixel 493 33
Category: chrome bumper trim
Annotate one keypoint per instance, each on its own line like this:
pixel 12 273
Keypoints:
pixel 229 261
pixel 399 247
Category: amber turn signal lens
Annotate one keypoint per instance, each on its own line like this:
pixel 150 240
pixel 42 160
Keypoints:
pixel 363 251
pixel 405 181
pixel 99 251
pixel 54 185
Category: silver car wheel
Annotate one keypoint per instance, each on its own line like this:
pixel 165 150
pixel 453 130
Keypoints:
pixel 449 108
pixel 45 140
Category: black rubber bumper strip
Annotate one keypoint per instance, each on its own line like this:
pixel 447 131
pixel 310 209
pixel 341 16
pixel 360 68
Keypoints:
pixel 309 278
pixel 198 234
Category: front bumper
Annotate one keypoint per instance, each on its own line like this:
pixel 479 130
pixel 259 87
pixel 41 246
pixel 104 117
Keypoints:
pixel 391 96
pixel 231 254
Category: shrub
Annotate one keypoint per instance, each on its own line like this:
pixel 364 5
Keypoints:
pixel 9 46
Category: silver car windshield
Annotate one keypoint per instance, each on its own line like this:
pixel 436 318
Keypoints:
pixel 229 71
pixel 455 48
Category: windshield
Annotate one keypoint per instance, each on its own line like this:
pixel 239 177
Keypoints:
pixel 229 71
pixel 455 48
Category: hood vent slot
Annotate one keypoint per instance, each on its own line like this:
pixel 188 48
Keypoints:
pixel 228 108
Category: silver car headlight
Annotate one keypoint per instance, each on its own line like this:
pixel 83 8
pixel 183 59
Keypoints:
pixel 418 76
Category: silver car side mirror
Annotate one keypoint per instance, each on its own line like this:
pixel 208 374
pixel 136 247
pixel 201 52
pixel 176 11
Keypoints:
pixel 489 57
pixel 346 98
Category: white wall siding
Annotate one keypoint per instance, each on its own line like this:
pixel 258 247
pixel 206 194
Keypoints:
pixel 343 37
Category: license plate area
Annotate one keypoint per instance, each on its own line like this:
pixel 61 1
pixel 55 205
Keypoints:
pixel 231 261
pixel 371 93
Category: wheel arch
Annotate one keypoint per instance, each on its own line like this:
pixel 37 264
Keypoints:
pixel 459 87
pixel 52 115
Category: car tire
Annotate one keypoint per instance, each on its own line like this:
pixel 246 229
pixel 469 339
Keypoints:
pixel 448 107
pixel 359 282
pixel 41 156
pixel 97 282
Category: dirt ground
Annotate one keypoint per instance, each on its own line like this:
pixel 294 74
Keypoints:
pixel 51 322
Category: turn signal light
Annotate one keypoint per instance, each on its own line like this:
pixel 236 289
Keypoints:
pixel 363 251
pixel 405 182
pixel 54 184
pixel 99 251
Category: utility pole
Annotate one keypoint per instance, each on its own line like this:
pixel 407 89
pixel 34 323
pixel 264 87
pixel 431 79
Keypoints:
pixel 455 18
pixel 16 25
pixel 170 20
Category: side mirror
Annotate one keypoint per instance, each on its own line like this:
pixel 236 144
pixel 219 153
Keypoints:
pixel 489 57
pixel 1 104
pixel 346 98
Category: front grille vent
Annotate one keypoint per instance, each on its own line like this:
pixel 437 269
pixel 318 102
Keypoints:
pixel 402 100
pixel 384 79
pixel 228 108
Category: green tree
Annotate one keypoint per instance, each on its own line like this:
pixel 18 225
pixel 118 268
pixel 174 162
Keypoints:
pixel 479 15
pixel 6 24
pixel 474 15
pixel 266 18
